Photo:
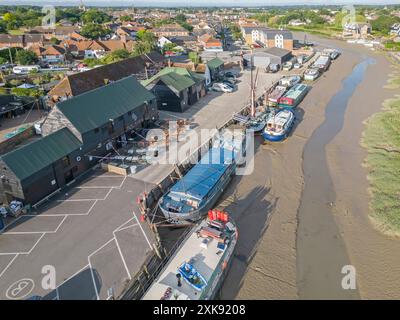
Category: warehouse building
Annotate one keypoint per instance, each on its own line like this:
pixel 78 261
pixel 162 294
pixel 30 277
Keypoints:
pixel 176 88
pixel 75 133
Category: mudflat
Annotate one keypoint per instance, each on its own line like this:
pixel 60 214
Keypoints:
pixel 309 196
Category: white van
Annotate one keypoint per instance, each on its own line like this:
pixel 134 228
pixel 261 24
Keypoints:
pixel 25 69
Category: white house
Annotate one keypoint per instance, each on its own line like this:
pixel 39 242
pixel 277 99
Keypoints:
pixel 162 41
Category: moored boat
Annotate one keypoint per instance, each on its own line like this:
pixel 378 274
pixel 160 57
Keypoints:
pixel 279 125
pixel 192 276
pixel 258 122
pixel 294 96
pixel 198 190
pixel 207 252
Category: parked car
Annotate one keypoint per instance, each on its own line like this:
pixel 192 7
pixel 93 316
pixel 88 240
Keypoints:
pixel 297 66
pixel 221 87
pixel 229 84
pixel 274 68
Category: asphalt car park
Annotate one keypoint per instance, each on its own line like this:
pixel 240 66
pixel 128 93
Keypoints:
pixel 90 235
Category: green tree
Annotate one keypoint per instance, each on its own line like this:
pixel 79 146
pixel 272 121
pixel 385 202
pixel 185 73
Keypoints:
pixel 115 56
pixel 3 60
pixel 94 31
pixel 54 41
pixel 3 27
pixel 125 18
pixel 95 16
pixel 383 23
pixel 26 57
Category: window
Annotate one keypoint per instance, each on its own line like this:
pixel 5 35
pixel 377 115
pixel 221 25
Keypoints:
pixel 279 41
pixel 66 161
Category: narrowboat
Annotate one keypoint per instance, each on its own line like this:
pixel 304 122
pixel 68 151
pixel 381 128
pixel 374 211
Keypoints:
pixel 275 96
pixel 322 63
pixel 294 96
pixel 279 125
pixel 198 267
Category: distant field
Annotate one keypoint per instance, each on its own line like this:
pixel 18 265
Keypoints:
pixel 322 31
pixel 382 141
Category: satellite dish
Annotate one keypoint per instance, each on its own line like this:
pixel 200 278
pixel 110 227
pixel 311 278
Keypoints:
pixel 78 158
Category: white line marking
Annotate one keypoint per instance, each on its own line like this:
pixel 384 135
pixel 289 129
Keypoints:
pixel 75 200
pixel 62 221
pixel 124 228
pixel 8 265
pixel 94 281
pixel 73 275
pixel 123 224
pixel 38 232
pixel 147 239
pixel 122 257
pixel 91 207
pixel 97 250
pixel 37 242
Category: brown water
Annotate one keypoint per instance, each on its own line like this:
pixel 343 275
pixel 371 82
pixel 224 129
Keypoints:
pixel 321 251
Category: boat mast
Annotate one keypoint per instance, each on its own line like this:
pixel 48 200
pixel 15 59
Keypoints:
pixel 252 87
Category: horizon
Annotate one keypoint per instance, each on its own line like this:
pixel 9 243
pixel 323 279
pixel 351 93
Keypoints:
pixel 195 3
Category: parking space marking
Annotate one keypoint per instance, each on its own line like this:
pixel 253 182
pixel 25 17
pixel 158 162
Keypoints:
pixel 144 234
pixel 37 242
pixel 94 280
pixel 8 265
pixel 122 257
pixel 38 232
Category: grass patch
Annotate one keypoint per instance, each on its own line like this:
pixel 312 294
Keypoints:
pixel 381 138
pixel 17 32
pixel 317 30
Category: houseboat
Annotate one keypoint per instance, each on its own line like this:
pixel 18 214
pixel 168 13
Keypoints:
pixel 294 96
pixel 276 95
pixel 290 81
pixel 198 267
pixel 196 192
pixel 311 74
pixel 279 126
pixel 322 63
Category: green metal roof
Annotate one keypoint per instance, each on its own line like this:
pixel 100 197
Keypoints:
pixel 95 108
pixel 179 78
pixel 215 63
pixel 33 157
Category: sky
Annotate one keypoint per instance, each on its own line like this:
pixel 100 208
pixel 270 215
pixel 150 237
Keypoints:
pixel 195 2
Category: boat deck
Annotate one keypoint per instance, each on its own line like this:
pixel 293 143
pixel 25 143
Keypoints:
pixel 204 260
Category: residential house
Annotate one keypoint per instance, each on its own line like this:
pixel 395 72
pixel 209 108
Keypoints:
pixel 20 41
pixel 76 133
pixel 268 38
pixel 171 30
pixel 356 30
pixel 189 42
pixel 50 54
pixel 162 41
pixel 96 48
pixel 176 89
pixel 141 67
pixel 395 29
pixel 213 45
